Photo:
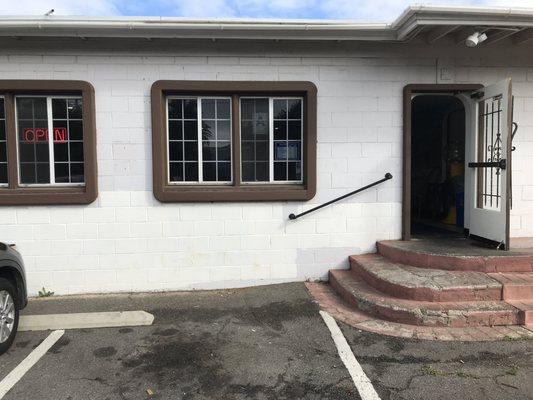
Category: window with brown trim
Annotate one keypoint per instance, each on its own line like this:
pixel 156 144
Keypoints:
pixel 234 141
pixel 47 142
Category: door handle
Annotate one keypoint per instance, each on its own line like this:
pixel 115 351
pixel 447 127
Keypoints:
pixel 502 164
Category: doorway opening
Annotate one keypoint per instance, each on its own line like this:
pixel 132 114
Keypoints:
pixel 438 128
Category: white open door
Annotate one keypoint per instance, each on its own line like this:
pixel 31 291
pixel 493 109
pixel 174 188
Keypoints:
pixel 489 164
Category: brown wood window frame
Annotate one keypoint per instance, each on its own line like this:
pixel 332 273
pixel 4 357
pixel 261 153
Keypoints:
pixel 237 191
pixel 14 194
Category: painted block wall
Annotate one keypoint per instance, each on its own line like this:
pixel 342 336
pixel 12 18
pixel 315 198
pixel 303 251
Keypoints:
pixel 128 241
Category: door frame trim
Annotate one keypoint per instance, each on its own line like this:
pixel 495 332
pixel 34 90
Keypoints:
pixel 408 91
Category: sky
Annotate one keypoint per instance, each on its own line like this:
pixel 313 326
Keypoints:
pixel 364 10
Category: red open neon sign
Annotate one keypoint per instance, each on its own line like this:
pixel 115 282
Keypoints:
pixel 33 135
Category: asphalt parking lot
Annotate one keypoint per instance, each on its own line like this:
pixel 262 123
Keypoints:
pixel 257 343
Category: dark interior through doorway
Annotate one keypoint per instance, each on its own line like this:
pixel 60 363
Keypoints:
pixel 437 165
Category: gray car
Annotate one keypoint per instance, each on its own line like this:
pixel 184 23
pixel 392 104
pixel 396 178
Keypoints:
pixel 13 293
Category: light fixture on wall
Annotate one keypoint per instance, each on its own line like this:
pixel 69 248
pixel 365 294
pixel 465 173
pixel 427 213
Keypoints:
pixel 474 39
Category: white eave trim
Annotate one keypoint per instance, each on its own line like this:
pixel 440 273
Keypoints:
pixel 403 28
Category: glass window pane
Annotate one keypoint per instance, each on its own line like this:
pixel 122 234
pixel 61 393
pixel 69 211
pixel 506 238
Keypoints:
pixel 76 151
pixel 208 108
pixel 175 151
pixel 77 172
pixel 294 171
pixel 43 172
pixel 223 151
pixel 280 130
pixel 26 152
pixel 191 171
pixel 27 173
pixel 224 171
pixel 295 130
pixel 42 153
pixel 3 173
pixel 175 109
pixel 261 172
pixel 248 171
pixel 223 109
pixel 293 152
pixel 261 151
pixel 295 109
pixel 210 171
pixel 280 150
pixel 191 151
pixel 208 130
pixel 24 108
pixel 209 151
pixel 74 107
pixel 3 153
pixel 248 153
pixel 176 172
pixel 39 108
pixel 280 171
pixel 75 130
pixel 61 172
pixel 2 128
pixel 175 130
pixel 247 109
pixel 61 151
pixel 280 109
pixel 223 130
pixel 247 130
pixel 190 130
pixel 189 109
pixel 59 108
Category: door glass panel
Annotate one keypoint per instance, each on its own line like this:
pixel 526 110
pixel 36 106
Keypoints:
pixel 490 149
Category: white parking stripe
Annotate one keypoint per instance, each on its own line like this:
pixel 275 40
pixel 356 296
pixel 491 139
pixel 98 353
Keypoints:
pixel 361 381
pixel 14 376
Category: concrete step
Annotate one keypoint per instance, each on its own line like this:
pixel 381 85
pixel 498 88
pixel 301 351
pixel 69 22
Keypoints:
pixel 427 254
pixel 526 311
pixel 359 294
pixel 425 284
pixel 516 286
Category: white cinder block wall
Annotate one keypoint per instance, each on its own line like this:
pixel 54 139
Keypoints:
pixel 128 241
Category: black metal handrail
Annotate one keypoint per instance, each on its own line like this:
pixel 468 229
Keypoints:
pixel 386 178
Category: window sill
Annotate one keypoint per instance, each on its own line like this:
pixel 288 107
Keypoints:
pixel 47 196
pixel 214 193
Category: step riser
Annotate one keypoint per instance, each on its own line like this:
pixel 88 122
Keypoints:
pixel 451 263
pixel 527 317
pixel 421 316
pixel 515 292
pixel 424 294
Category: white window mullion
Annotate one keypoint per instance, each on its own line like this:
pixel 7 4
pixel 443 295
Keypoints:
pixel 271 138
pixel 200 155
pixel 50 139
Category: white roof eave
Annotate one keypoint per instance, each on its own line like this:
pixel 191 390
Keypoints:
pixel 162 27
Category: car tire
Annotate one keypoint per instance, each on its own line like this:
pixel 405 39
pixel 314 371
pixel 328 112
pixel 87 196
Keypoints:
pixel 7 287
